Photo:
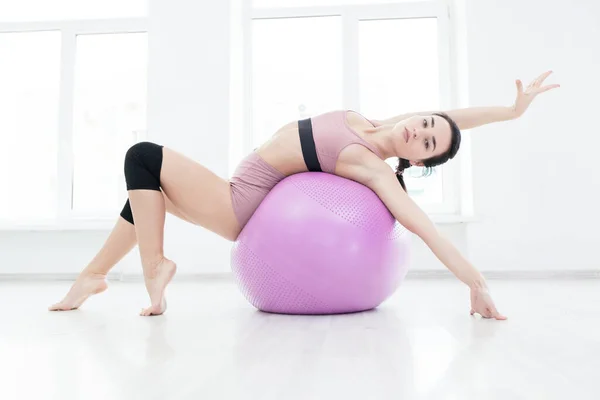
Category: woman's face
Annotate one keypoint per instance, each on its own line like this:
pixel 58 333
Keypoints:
pixel 421 137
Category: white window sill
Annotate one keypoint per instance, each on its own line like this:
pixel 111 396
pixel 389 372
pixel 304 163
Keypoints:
pixel 453 218
pixel 95 224
pixel 108 224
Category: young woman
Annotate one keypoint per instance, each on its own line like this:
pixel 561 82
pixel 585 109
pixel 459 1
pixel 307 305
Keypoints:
pixel 344 143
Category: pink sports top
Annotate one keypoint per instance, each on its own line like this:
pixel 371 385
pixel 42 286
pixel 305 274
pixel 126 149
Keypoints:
pixel 331 134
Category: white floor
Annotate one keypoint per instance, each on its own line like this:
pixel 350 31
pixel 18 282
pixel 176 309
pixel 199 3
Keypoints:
pixel 420 344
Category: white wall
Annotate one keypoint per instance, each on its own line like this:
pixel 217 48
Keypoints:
pixel 535 185
pixel 188 108
pixel 534 188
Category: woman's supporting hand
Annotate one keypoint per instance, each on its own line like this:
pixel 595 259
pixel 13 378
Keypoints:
pixel 525 97
pixel 482 304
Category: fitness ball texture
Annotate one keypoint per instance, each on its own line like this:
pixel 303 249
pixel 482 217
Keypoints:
pixel 320 244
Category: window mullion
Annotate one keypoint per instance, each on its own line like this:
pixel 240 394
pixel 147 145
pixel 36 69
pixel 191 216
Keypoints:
pixel 450 177
pixel 65 124
pixel 248 136
pixel 419 9
pixel 446 101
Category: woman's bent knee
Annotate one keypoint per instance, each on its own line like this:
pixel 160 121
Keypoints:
pixel 143 163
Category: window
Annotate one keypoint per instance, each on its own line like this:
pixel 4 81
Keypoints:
pixel 379 59
pixel 73 100
pixel 29 93
pixel 296 72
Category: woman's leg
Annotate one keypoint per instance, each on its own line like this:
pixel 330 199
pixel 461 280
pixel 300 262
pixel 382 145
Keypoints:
pixel 148 207
pixel 196 191
pixel 92 279
pixel 198 195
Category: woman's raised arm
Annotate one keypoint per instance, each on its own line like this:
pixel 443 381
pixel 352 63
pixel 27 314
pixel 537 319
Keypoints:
pixel 467 118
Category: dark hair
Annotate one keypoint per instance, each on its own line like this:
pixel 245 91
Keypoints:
pixel 437 160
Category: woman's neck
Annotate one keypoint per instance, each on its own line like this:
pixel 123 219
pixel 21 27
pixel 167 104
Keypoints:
pixel 381 137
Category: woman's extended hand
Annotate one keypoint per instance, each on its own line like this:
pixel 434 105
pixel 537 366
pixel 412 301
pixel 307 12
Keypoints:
pixel 525 97
pixel 481 303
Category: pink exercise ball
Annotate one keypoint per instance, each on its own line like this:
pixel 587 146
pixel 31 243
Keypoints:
pixel 320 244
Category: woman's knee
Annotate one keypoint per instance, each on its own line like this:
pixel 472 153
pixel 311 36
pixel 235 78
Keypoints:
pixel 143 163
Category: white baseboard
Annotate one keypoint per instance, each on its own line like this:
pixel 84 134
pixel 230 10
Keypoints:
pixel 511 275
pixel 228 276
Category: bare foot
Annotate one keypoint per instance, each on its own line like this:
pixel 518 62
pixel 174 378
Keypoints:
pixel 156 282
pixel 85 286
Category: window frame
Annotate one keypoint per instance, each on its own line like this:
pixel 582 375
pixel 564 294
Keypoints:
pixel 66 218
pixel 351 15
